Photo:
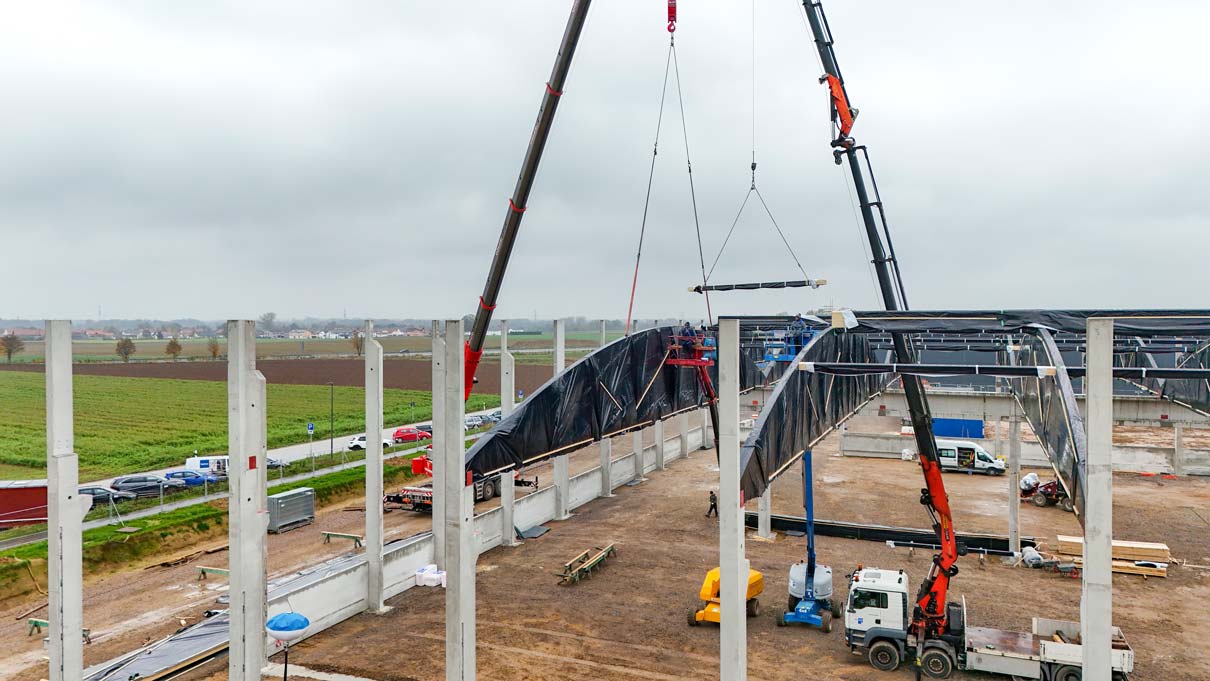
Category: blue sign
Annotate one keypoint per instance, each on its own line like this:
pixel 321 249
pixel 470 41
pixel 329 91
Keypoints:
pixel 310 429
pixel 520 394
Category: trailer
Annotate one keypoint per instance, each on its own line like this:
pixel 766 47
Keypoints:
pixel 22 502
pixel 419 498
pixel 876 624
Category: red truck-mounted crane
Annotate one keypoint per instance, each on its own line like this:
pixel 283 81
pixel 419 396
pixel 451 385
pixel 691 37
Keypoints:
pixel 930 616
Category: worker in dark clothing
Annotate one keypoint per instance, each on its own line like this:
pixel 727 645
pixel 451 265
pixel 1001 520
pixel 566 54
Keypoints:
pixel 713 505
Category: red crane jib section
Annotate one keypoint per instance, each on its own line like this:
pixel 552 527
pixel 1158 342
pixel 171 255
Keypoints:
pixel 471 359
pixel 841 103
pixel 929 616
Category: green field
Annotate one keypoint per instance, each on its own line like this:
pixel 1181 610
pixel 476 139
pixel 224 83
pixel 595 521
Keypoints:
pixel 103 350
pixel 125 425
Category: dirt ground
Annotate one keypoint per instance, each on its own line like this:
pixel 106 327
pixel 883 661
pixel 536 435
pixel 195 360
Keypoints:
pixel 406 374
pixel 127 609
pixel 628 622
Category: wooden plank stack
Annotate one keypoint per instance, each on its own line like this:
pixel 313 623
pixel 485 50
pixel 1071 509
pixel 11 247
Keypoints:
pixel 1129 557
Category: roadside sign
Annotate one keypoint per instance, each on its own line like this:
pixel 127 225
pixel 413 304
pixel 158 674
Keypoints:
pixel 520 394
pixel 310 429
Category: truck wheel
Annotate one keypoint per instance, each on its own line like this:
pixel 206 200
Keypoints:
pixel 1067 504
pixel 834 606
pixel 884 656
pixel 1068 673
pixel 753 607
pixel 826 625
pixel 1040 500
pixel 489 490
pixel 937 664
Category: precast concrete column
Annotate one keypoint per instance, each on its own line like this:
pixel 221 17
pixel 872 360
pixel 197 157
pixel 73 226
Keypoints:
pixel 602 343
pixel 65 510
pixel 560 346
pixel 1096 606
pixel 508 507
pixel 606 449
pixel 562 472
pixel 707 431
pixel 438 457
pixel 1014 484
pixel 458 498
pixel 247 506
pixel 1178 448
pixel 764 514
pixel 508 382
pixel 682 426
pixel 659 446
pixel 733 566
pixel 998 449
pixel 639 463
pixel 374 529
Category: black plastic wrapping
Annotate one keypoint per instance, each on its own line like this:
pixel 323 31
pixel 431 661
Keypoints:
pixel 623 385
pixel 1051 409
pixel 1195 393
pixel 1126 322
pixel 804 407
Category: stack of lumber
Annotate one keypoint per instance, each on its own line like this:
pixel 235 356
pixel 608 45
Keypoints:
pixel 1149 559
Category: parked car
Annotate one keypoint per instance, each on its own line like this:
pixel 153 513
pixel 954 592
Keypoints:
pixel 147 485
pixel 495 416
pixel 472 421
pixel 193 478
pixel 272 463
pixel 104 495
pixel 359 442
pixel 426 427
pixel 410 434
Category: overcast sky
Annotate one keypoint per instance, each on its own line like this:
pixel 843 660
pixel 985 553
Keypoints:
pixel 225 159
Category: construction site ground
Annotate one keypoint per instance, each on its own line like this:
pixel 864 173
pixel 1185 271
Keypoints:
pixel 629 620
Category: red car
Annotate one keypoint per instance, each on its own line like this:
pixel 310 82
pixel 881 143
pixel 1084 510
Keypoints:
pixel 410 434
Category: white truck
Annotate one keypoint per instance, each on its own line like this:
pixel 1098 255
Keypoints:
pixel 876 620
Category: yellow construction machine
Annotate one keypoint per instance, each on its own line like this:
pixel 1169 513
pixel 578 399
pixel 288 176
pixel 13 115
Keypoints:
pixel 710 595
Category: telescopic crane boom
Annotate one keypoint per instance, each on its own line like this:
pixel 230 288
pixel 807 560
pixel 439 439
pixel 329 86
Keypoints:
pixel 929 616
pixel 525 182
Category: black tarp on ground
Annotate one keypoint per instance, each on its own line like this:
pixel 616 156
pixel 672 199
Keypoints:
pixel 1050 407
pixel 803 407
pixel 623 385
pixel 1126 322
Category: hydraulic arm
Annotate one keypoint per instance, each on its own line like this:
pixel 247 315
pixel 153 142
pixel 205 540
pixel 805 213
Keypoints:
pixel 929 615
pixel 525 182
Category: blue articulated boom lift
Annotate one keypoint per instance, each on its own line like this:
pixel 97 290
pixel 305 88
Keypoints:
pixel 810 600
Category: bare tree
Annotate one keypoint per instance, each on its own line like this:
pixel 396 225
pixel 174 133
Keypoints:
pixel 125 349
pixel 12 345
pixel 213 348
pixel 359 343
pixel 268 321
pixel 173 348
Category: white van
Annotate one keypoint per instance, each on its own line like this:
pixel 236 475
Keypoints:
pixel 214 464
pixel 964 455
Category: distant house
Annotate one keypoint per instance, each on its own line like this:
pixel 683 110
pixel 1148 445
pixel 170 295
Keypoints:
pixel 23 333
pixel 300 334
pixel 97 334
